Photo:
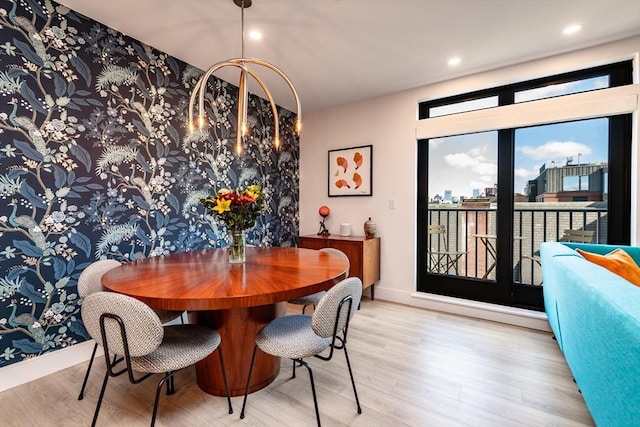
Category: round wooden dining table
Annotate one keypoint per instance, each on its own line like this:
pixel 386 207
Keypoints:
pixel 235 299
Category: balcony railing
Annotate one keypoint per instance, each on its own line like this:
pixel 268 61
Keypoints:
pixel 473 231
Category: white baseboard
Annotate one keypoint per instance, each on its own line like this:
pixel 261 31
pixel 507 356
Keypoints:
pixel 498 313
pixel 31 369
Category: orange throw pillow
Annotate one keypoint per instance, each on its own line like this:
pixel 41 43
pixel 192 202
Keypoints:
pixel 616 261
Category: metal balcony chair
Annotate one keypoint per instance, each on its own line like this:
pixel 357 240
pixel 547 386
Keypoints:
pixel 300 336
pixel 314 299
pixel 578 236
pixel 441 259
pixel 89 282
pixel 569 235
pixel 123 325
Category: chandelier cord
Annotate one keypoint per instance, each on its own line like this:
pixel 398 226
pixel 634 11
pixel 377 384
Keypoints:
pixel 242 27
pixel 243 93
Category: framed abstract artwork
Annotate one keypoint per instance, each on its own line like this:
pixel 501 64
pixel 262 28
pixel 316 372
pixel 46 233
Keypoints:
pixel 350 171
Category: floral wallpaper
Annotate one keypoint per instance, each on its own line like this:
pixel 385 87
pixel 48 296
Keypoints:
pixel 96 162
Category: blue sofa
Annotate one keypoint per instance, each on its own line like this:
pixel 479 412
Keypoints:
pixel 595 316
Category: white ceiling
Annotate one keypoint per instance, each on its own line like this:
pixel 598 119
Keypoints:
pixel 340 51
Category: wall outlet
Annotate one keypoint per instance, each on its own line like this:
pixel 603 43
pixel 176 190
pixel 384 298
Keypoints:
pixel 392 204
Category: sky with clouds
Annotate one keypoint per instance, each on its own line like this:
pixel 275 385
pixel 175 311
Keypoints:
pixel 466 162
pixel 463 163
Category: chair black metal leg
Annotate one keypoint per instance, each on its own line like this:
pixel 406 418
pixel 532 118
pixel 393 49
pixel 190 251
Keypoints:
pixel 116 360
pixel 293 375
pixel 167 377
pixel 104 387
pixel 246 390
pixel 353 383
pixel 171 386
pixel 86 375
pixel 313 389
pixel 224 377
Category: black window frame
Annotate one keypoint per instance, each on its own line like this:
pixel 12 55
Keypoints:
pixel 620 74
pixel 505 292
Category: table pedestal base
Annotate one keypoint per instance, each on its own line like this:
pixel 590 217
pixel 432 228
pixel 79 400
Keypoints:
pixel 238 328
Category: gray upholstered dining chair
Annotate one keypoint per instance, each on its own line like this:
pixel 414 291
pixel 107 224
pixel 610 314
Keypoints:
pixel 89 282
pixel 300 336
pixel 126 326
pixel 314 299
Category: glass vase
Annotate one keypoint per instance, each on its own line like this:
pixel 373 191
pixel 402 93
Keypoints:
pixel 237 249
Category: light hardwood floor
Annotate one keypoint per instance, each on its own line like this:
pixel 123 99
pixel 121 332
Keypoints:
pixel 412 367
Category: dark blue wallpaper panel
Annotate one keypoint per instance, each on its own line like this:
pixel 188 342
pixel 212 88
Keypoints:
pixel 95 162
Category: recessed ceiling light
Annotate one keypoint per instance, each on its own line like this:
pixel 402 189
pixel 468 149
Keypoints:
pixel 255 35
pixel 572 29
pixel 454 61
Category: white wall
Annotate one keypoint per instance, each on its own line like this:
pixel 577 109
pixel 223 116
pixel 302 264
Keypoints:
pixel 390 124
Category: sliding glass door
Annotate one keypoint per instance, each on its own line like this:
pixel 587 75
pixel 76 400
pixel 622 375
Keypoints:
pixel 561 174
pixel 462 177
pixel 490 199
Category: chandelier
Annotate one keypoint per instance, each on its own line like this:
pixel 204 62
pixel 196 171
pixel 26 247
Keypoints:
pixel 246 70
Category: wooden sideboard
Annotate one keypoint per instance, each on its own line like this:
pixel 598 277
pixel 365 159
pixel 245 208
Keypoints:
pixel 363 254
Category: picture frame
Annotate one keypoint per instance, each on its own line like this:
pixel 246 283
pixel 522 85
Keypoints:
pixel 350 171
